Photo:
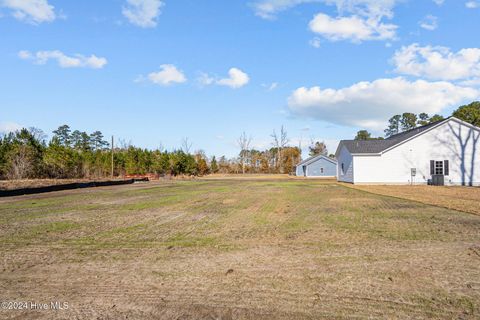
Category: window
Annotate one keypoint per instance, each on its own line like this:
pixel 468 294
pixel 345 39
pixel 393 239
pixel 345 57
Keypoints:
pixel 321 170
pixel 343 170
pixel 438 167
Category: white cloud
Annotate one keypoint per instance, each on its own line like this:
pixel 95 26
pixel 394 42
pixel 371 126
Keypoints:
pixel 143 13
pixel 472 4
pixel 315 42
pixel 31 11
pixel 358 20
pixel 366 8
pixel 429 23
pixel 439 2
pixel 167 75
pixel 370 104
pixel 205 79
pixel 237 79
pixel 437 62
pixel 270 87
pixel 352 28
pixel 268 9
pixel 6 127
pixel 474 82
pixel 64 61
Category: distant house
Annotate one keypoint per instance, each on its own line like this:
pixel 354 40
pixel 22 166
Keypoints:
pixel 445 152
pixel 317 166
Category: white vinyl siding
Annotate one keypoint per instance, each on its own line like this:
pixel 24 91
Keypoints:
pixel 450 141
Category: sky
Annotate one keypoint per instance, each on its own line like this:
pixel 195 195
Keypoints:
pixel 153 72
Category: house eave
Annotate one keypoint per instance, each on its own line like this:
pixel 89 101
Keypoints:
pixel 366 154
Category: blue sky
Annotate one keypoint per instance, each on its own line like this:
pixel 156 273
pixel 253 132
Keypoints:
pixel 153 72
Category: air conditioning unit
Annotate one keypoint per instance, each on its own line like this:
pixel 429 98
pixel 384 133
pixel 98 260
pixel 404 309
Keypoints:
pixel 438 180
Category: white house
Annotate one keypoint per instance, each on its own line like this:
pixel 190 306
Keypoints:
pixel 445 152
pixel 317 167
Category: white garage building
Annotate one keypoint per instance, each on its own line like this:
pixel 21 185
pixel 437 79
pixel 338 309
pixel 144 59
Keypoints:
pixel 445 152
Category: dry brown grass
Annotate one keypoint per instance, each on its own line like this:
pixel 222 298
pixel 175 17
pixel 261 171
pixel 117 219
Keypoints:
pixel 248 176
pixel 260 176
pixel 238 249
pixel 34 183
pixel 466 199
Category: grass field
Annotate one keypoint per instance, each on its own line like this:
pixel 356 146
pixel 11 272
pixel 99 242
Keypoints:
pixel 242 249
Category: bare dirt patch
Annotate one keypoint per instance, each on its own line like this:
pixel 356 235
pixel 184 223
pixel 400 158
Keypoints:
pixel 244 249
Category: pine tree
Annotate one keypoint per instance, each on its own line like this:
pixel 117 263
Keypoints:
pixel 213 165
pixel 393 125
pixel 62 134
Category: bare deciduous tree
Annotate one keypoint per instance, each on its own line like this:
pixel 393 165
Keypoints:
pixel 244 144
pixel 317 148
pixel 280 141
pixel 21 163
pixel 38 134
pixel 186 145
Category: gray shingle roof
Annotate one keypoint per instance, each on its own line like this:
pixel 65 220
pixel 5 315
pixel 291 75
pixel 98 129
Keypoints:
pixel 314 158
pixel 377 146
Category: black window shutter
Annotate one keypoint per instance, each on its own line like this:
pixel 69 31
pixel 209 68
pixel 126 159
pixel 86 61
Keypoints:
pixel 446 169
pixel 432 167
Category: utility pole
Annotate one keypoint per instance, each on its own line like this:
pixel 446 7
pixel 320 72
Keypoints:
pixel 112 157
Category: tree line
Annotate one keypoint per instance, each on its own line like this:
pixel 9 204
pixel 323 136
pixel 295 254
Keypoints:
pixel 281 157
pixel 27 154
pixel 407 121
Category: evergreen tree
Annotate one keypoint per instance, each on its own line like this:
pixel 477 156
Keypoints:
pixel 363 135
pixel 393 125
pixel 97 142
pixel 423 119
pixel 469 113
pixel 62 134
pixel 436 118
pixel 214 165
pixel 408 121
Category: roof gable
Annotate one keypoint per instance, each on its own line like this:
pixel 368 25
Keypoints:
pixel 380 146
pixel 312 159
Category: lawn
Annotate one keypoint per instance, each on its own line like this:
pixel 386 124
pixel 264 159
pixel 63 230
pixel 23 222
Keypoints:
pixel 237 248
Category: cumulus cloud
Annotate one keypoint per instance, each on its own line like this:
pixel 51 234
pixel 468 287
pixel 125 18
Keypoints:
pixel 370 104
pixel 142 13
pixel 358 20
pixel 429 23
pixel 439 2
pixel 31 11
pixel 168 74
pixel 438 63
pixel 352 28
pixel 472 4
pixel 6 127
pixel 236 79
pixel 64 61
